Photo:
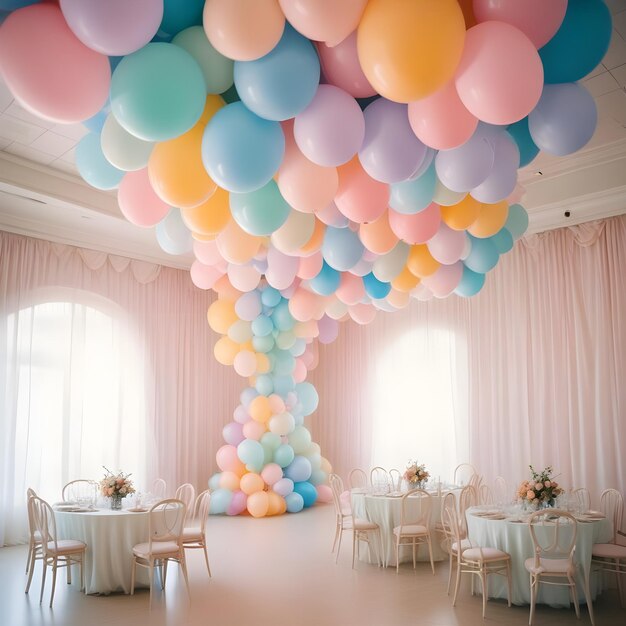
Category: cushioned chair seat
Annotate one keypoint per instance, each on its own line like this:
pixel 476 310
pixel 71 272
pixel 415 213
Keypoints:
pixel 363 524
pixel 192 534
pixel 484 554
pixel 411 529
pixel 66 546
pixel 158 548
pixel 466 544
pixel 609 551
pixel 548 566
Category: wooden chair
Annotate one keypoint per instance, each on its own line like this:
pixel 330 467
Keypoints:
pixel 187 493
pixel 357 479
pixel 343 512
pixel 34 539
pixel 80 489
pixel 462 473
pixel 414 530
pixel 194 536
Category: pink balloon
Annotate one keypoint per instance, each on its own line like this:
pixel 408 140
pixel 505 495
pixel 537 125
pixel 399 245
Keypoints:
pixel 233 433
pixel 329 329
pixel 341 67
pixel 447 245
pixel 114 27
pixel 240 415
pixel 272 473
pixel 243 277
pixel 302 305
pixel 332 216
pixel 351 289
pixel 330 130
pixel 310 266
pixel 277 404
pixel 360 197
pixel 417 228
pixel 206 252
pixel 300 372
pixel 138 202
pixel 281 269
pixel 324 493
pixel 48 70
pixel 254 430
pixel 237 504
pixel 307 187
pixel 324 20
pixel 537 19
pixel 362 313
pixel 500 77
pixel 440 120
pixel 445 280
pixel 227 459
pixel 245 363
pixel 204 276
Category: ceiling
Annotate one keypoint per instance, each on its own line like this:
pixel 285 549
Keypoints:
pixel 42 195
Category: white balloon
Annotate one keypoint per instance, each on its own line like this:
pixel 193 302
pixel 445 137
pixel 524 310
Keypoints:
pixel 121 149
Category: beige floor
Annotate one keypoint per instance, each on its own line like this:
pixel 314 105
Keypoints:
pixel 278 572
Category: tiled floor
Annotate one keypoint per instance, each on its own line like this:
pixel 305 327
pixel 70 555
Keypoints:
pixel 278 572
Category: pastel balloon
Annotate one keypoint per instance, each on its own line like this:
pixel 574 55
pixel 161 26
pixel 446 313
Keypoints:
pixel 238 503
pixel 283 487
pixel 308 398
pixel 225 351
pixel 295 502
pixel 503 241
pixel 375 288
pixel 241 152
pixel 580 43
pixel 294 233
pixel 491 218
pixel 330 130
pixel 447 245
pixel 417 228
pixel 284 455
pixel 302 304
pixel 329 330
pixel 243 29
pixel 521 136
pixel 180 15
pixel 462 215
pixel 248 306
pixel 282 269
pixel 158 92
pixel 331 216
pixel 446 197
pixel 270 296
pixel 414 195
pixel 282 318
pixel 324 493
pixel 172 234
pixel 243 277
pixel 260 212
pixel 443 282
pixel 227 460
pixel 409 49
pixel 204 276
pixel 209 217
pixel 441 120
pixel 93 165
pixel 503 176
pixel 500 77
pixel 221 315
pixel 538 20
pixel 377 236
pixel 230 481
pixel 351 289
pixel 116 27
pixel 48 70
pixel 245 363
pixel 251 483
pixel 236 245
pixel 405 281
pixel 281 424
pixel 123 150
pixel 137 200
pixel 517 221
pixel 307 491
pixel 387 266
pixel 258 504
pixel 216 68
pixel 250 453
pixel 220 501
pixel 341 66
pixel 390 152
pixel 420 261
pixel 282 83
pixel 342 248
pixel 326 282
pixel 564 120
pixel 483 255
pixel 470 284
pixel 299 469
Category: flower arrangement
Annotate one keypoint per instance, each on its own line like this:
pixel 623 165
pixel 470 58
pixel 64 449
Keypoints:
pixel 116 486
pixel 415 475
pixel 541 489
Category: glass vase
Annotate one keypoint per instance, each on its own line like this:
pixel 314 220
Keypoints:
pixel 116 503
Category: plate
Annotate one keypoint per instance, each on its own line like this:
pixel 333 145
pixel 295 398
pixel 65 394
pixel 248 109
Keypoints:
pixel 594 516
pixel 137 510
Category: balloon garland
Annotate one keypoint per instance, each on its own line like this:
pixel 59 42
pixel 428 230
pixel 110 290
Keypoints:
pixel 324 159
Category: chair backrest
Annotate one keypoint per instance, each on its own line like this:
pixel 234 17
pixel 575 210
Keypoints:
pixel 448 507
pixel 80 489
pixel 468 498
pixel 451 525
pixel 31 510
pixel 462 473
pixel 485 495
pixel 476 481
pixel 612 505
pixel 424 500
pixel 43 517
pixel 30 492
pixel 187 493
pixel 500 490
pixel 167 520
pixel 159 488
pixel 357 479
pixel 379 479
pixel 336 486
pixel 395 478
pixel 553 533
pixel 201 508
pixel 583 499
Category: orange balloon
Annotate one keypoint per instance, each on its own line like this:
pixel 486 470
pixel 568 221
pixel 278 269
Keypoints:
pixel 405 281
pixel 410 48
pixel 317 238
pixel 210 217
pixel 377 236
pixel 275 504
pixel 212 105
pixel 225 350
pixel 221 316
pixel 398 299
pixel 262 363
pixel 199 237
pixel 461 215
pixel 225 289
pixel 236 245
pixel 491 219
pixel 260 409
pixel 420 261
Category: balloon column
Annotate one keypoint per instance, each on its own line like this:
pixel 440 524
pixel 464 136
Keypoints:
pixel 346 155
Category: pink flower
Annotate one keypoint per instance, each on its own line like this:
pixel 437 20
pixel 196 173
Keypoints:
pixel 547 483
pixel 530 495
pixel 538 486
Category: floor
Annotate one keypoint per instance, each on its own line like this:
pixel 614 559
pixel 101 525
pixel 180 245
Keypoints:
pixel 278 572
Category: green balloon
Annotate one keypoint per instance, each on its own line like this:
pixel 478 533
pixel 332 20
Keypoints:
pixel 260 212
pixel 158 92
pixel 217 69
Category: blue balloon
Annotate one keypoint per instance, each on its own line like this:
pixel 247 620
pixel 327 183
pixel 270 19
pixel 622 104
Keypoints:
pixel 284 455
pixel 214 481
pixel 93 166
pixel 471 283
pixel 307 491
pixel 247 395
pixel 95 124
pixel 326 282
pixel 240 151
pixel 413 196
pixel 580 43
pixel 503 240
pixel 263 344
pixel 284 363
pixel 250 452
pixel 375 288
pixel 179 15
pixel 517 221
pixel 282 83
pixel 260 212
pixel 295 502
pixel 342 249
pixel 307 397
pixel 299 469
pixel 270 296
pixel 220 499
pixel 262 326
pixel 521 136
pixel 283 384
pixel 264 384
pixel 483 256
pixel 299 347
pixel 282 317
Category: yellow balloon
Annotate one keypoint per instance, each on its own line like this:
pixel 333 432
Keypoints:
pixel 251 483
pixel 421 262
pixel 229 480
pixel 405 280
pixel 260 410
pixel 225 351
pixel 262 363
pixel 221 315
pixel 490 220
pixel 210 217
pixel 276 503
pixel 236 245
pixel 212 105
pixel 410 48
pixel 258 503
pixel 461 215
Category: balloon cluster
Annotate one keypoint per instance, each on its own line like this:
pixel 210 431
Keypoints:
pixel 269 463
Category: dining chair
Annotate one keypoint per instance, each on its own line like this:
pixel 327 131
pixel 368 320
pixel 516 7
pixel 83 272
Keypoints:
pixel 611 557
pixel 159 488
pixel 501 490
pixel 395 478
pixel 364 530
pixel 166 521
pixel 379 479
pixel 467 498
pixel 194 536
pixel 462 473
pixel 475 481
pixel 54 552
pixel 448 508
pixel 80 489
pixel 414 530
pixel 485 495
pixel 583 499
pixel 357 479
pixel 343 512
pixel 553 533
pixel 34 538
pixel 479 561
pixel 187 493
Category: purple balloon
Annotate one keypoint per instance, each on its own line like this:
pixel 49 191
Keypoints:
pixel 447 245
pixel 329 329
pixel 330 130
pixel 248 306
pixel 233 433
pixel 237 503
pixel 503 177
pixel 390 152
pixel 425 164
pixel 283 487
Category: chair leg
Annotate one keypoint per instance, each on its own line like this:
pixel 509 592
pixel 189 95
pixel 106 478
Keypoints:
pixel 31 548
pixel 151 582
pixel 339 546
pixel 458 580
pixel 183 564
pixel 618 580
pixel 337 533
pixel 30 569
pixel 43 579
pixel 508 582
pixel 354 542
pixel 398 554
pixel 132 576
pixel 588 597
pixel 414 547
pixel 206 558
pixel 574 595
pixel 54 579
pixel 450 572
pixel 430 552
pixel 483 583
pixel 69 569
pixel 533 592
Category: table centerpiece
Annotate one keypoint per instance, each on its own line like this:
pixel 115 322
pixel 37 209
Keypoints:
pixel 540 491
pixel 116 487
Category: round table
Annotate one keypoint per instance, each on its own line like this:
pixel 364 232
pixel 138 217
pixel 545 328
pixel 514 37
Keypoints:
pixel 512 535
pixel 110 537
pixel 385 511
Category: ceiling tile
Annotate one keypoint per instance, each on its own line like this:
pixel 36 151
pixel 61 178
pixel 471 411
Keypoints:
pixel 64 166
pixel 601 84
pixel 15 110
pixel 597 70
pixel 57 145
pixel 69 156
pixel 616 54
pixel 26 152
pixel 18 130
pixel 613 105
pixel 619 22
pixel 619 73
pixel 73 131
pixel 615 6
pixel 6 97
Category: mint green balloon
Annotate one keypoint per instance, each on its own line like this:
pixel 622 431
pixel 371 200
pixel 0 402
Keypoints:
pixel 260 212
pixel 217 69
pixel 158 92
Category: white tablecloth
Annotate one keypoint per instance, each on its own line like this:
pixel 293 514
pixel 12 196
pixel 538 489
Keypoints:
pixel 385 511
pixel 515 539
pixel 110 537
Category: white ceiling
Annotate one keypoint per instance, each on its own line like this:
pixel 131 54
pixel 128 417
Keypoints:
pixel 41 194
